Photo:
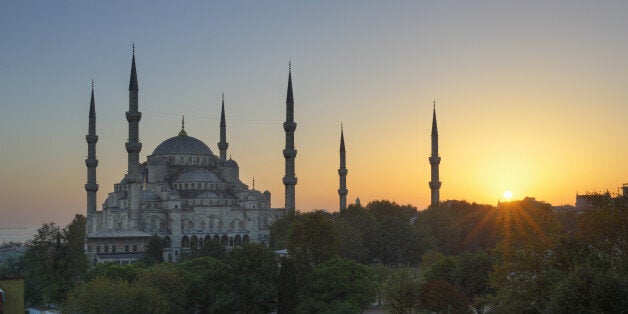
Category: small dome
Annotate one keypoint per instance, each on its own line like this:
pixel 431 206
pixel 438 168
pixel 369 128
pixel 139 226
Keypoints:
pixel 182 145
pixel 231 163
pixel 197 175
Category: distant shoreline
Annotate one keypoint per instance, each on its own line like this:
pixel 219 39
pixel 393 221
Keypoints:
pixel 17 234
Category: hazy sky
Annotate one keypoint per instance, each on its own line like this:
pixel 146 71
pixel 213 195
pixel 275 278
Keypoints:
pixel 532 96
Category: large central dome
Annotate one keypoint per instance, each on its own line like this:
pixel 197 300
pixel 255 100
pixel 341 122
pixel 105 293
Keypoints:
pixel 182 145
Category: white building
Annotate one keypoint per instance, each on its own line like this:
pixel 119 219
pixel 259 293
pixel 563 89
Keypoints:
pixel 182 193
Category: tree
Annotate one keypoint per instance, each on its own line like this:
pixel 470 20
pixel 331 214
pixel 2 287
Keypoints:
pixel 103 295
pixel 55 262
pixel 442 297
pixel 208 285
pixel 527 269
pixel 279 230
pixel 313 239
pixel 254 277
pixel 114 271
pixel 380 275
pixel 337 286
pixel 392 241
pixel 351 244
pixel 468 272
pixel 212 248
pixel 590 290
pixel 289 282
pixel 154 252
pixel 402 290
pixel 384 209
pixel 166 279
pixel 605 230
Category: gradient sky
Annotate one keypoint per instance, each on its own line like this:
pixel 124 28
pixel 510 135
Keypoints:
pixel 531 95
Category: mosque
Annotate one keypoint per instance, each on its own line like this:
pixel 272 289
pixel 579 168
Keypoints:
pixel 182 193
pixel 186 195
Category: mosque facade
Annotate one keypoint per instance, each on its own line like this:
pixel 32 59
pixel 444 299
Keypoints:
pixel 183 193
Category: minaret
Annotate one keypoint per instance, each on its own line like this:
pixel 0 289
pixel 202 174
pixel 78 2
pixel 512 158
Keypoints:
pixel 91 162
pixel 435 161
pixel 223 145
pixel 342 172
pixel 290 180
pixel 133 146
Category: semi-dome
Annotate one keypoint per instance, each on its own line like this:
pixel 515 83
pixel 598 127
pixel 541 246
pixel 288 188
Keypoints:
pixel 231 163
pixel 182 145
pixel 197 175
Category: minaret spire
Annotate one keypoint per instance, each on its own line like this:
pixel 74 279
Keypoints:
pixel 223 145
pixel 182 132
pixel 91 162
pixel 435 162
pixel 133 147
pixel 342 172
pixel 289 153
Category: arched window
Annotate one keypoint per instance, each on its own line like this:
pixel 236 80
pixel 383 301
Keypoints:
pixel 230 241
pixel 190 225
pixel 167 242
pixel 208 238
pixel 186 185
pixel 237 241
pixel 153 223
pixel 202 225
pixel 245 239
pixel 224 240
pixel 217 238
pixel 194 241
pixel 185 241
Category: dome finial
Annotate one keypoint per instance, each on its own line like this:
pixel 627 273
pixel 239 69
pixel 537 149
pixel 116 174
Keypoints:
pixel 182 132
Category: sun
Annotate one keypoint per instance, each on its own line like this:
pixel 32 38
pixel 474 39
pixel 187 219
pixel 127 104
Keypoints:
pixel 508 195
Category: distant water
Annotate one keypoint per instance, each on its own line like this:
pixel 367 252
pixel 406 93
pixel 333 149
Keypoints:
pixel 17 234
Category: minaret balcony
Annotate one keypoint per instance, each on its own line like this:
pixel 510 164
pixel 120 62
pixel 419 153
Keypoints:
pixel 434 160
pixel 133 147
pixel 133 116
pixel 223 145
pixel 435 185
pixel 91 163
pixel 289 153
pixel 289 126
pixel 342 172
pixel 289 181
pixel 91 187
pixel 91 138
pixel 343 192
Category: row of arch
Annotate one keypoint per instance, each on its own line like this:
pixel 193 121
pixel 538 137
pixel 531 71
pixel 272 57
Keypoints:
pixel 194 241
pixel 199 186
pixel 214 223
